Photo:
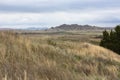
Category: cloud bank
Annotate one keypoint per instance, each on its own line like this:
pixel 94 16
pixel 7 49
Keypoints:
pixel 48 13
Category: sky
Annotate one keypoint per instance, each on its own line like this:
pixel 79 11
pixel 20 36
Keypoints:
pixel 51 13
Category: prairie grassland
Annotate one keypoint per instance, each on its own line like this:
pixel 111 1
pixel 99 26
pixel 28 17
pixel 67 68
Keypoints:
pixel 49 58
pixel 93 37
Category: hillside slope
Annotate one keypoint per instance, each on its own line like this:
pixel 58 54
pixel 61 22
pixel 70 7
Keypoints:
pixel 25 59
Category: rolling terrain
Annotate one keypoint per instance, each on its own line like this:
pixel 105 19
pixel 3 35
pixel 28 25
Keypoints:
pixel 45 57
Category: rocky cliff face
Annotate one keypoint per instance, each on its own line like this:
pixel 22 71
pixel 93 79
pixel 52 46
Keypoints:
pixel 76 27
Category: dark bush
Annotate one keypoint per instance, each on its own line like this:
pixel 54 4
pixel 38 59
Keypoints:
pixel 112 40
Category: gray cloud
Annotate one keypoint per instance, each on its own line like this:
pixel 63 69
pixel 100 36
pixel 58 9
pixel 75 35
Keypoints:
pixel 55 12
pixel 110 20
pixel 56 5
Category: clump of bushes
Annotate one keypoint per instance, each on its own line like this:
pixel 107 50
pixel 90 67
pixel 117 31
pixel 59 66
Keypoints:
pixel 111 40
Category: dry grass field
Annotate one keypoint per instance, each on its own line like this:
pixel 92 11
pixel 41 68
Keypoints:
pixel 56 57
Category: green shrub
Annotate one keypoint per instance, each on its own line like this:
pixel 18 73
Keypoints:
pixel 112 40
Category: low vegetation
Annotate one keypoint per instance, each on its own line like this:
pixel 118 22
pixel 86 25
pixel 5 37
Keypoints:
pixel 25 58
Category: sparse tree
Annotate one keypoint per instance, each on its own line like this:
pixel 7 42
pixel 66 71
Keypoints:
pixel 105 39
pixel 112 40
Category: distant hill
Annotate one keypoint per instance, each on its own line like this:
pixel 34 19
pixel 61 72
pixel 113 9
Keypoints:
pixel 2 29
pixel 29 28
pixel 77 27
pixel 36 28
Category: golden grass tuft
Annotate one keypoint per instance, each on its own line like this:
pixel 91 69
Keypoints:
pixel 23 58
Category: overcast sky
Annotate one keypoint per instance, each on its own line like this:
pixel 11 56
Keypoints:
pixel 48 13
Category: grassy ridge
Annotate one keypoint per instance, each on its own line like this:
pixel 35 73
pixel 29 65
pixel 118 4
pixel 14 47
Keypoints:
pixel 23 58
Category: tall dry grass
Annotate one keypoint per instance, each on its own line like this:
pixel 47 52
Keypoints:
pixel 23 58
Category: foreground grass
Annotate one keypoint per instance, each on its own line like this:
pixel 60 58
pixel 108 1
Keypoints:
pixel 46 59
